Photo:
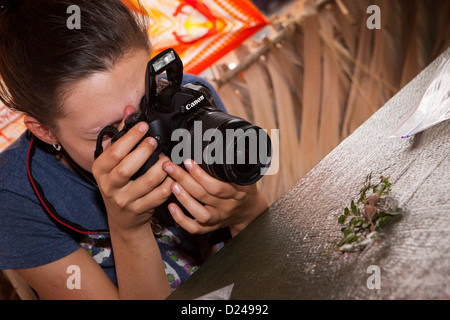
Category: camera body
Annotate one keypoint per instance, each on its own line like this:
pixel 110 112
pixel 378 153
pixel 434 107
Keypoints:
pixel 168 106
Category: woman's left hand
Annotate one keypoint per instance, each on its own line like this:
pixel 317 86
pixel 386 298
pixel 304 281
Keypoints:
pixel 213 203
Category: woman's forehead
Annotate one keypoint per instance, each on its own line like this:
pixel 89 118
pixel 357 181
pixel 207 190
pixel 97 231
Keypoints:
pixel 105 94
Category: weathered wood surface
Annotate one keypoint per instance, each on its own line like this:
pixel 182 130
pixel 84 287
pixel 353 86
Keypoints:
pixel 269 259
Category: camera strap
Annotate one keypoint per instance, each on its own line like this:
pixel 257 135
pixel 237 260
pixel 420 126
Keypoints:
pixel 49 209
pixel 107 130
pixel 72 228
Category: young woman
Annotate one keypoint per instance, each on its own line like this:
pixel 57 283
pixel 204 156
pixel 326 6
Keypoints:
pixel 53 192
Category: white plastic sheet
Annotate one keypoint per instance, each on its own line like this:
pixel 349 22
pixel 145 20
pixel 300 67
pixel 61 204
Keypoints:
pixel 434 107
pixel 221 294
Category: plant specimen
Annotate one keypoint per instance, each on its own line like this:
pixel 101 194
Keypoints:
pixel 363 220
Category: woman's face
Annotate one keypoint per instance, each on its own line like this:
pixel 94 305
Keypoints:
pixel 101 100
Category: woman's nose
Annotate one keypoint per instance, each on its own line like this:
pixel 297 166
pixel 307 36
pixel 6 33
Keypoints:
pixel 128 111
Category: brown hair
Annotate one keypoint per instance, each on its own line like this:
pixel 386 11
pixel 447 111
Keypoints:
pixel 40 57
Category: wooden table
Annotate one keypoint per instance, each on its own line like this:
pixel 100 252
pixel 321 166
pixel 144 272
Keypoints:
pixel 283 254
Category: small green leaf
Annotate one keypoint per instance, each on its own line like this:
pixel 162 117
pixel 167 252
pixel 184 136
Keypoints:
pixel 355 210
pixel 347 231
pixel 346 211
pixel 383 221
pixel 357 222
pixel 341 242
pixel 349 238
pixel 377 216
pixel 341 219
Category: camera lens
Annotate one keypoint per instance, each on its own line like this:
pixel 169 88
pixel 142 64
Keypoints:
pixel 234 151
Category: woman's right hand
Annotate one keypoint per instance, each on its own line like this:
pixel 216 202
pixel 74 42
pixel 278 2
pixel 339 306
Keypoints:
pixel 130 203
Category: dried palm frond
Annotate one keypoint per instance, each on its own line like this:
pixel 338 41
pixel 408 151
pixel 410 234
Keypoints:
pixel 289 143
pixel 311 94
pixel 326 72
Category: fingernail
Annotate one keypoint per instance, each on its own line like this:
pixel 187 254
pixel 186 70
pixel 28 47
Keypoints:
pixel 153 142
pixel 176 189
pixel 172 209
pixel 169 169
pixel 142 127
pixel 188 164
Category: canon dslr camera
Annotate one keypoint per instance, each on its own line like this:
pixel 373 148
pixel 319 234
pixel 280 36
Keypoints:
pixel 226 147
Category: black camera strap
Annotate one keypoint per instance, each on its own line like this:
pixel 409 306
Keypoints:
pixel 49 209
pixel 106 130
